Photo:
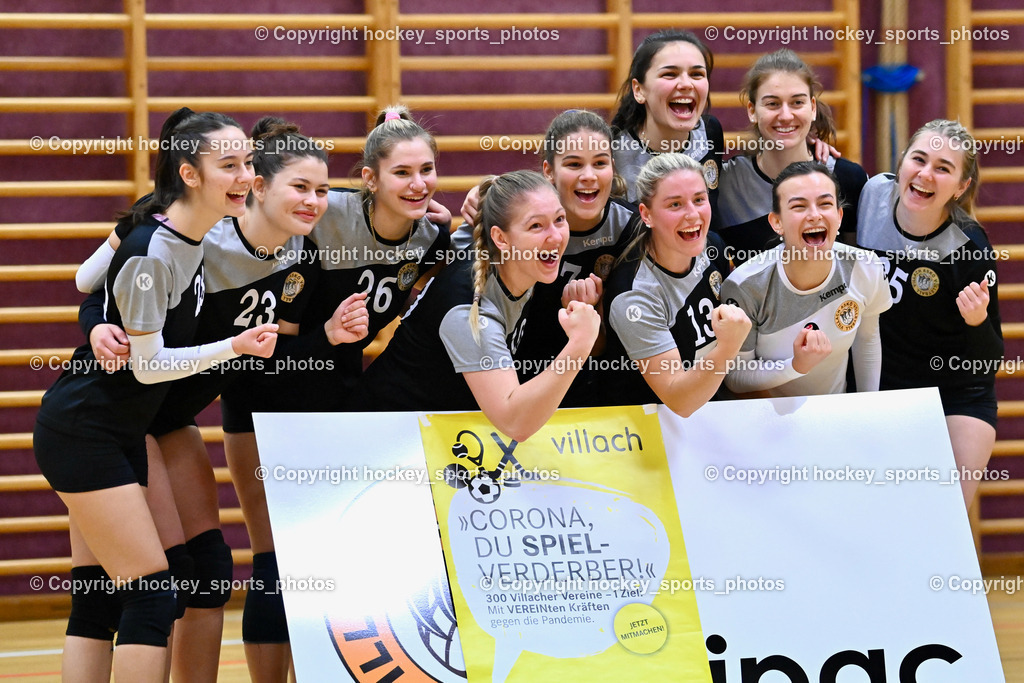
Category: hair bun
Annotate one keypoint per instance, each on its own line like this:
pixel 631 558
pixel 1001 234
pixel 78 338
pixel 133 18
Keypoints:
pixel 272 126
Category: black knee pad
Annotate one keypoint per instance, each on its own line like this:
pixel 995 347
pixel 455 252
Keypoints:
pixel 95 609
pixel 263 619
pixel 214 569
pixel 147 610
pixel 182 569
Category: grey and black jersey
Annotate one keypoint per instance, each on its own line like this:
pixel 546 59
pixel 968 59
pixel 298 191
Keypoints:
pixel 778 311
pixel 353 259
pixel 245 288
pixel 422 366
pixel 593 251
pixel 745 200
pixel 706 146
pixel 926 275
pixel 154 283
pixel 650 310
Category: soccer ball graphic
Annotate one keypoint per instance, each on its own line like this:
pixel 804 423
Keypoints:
pixel 484 489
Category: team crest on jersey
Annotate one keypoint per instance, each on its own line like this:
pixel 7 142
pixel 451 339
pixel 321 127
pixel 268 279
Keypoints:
pixel 846 315
pixel 715 280
pixel 292 286
pixel 407 276
pixel 603 265
pixel 711 174
pixel 925 281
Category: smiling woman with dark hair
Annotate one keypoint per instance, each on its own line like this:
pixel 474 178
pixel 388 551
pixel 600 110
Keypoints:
pixel 810 300
pixel 90 431
pixel 662 107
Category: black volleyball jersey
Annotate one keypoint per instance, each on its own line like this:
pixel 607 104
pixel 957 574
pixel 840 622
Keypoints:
pixel 706 145
pixel 353 259
pixel 422 366
pixel 245 288
pixel 650 310
pixel 745 200
pixel 925 275
pixel 154 283
pixel 593 251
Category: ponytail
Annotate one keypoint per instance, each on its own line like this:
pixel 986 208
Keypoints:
pixel 499 198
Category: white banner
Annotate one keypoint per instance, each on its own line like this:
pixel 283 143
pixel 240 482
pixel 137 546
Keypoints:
pixel 826 537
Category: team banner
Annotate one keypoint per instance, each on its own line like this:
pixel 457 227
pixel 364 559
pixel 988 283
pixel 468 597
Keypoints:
pixel 828 540
pixel 815 539
pixel 556 547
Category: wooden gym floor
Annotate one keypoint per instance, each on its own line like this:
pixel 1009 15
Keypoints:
pixel 30 650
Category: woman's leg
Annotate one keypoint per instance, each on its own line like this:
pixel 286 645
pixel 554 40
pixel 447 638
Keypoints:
pixel 972 441
pixel 267 651
pixel 89 645
pixel 117 527
pixel 198 634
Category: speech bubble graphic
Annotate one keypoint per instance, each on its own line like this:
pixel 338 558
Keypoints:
pixel 545 567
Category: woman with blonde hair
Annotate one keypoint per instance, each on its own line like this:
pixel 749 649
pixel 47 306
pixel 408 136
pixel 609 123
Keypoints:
pixel 942 275
pixel 453 350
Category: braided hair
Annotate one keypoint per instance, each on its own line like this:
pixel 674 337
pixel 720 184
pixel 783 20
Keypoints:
pixel 499 197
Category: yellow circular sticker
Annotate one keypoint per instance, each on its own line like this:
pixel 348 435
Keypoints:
pixel 640 628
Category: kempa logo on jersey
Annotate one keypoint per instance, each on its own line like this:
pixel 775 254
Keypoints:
pixel 832 292
pixel 598 241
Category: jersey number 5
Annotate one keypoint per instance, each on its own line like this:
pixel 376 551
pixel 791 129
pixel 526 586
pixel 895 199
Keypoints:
pixel 899 276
